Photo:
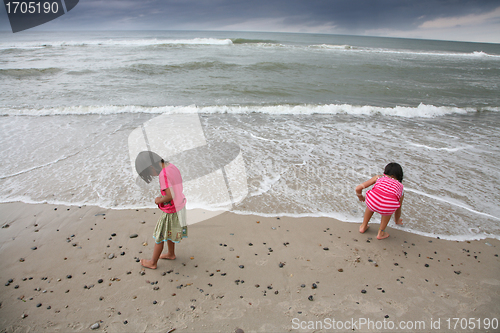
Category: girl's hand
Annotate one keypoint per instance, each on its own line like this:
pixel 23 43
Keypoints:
pixel 361 197
pixel 158 200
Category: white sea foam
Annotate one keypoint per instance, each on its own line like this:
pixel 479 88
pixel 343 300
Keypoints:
pixel 260 138
pixel 421 111
pixel 474 54
pixel 438 148
pixel 199 41
pixel 472 235
pixel 439 54
pixel 265 185
pixel 484 54
pixel 461 238
pixel 117 42
pixel 227 41
pixel 338 216
pixel 453 202
pixel 37 167
pixel 332 47
pixel 212 41
pixel 350 219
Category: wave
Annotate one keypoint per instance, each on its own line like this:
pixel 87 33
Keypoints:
pixel 253 41
pixel 37 167
pixel 198 41
pixel 484 54
pixel 475 54
pixel 119 42
pixel 153 69
pixel 470 235
pixel 155 42
pixel 332 47
pixel 421 111
pixel 436 148
pixel 274 66
pixel 29 72
pixel 453 203
pixel 81 72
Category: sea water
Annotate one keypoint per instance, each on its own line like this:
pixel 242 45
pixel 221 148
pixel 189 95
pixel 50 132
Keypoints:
pixel 313 115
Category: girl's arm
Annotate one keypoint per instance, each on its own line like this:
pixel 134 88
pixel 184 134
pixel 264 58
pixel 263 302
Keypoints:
pixel 164 199
pixel 368 183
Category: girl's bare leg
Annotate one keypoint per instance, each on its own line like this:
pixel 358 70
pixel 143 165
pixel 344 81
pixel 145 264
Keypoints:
pixel 171 251
pixel 383 224
pixel 156 255
pixel 368 215
pixel 397 215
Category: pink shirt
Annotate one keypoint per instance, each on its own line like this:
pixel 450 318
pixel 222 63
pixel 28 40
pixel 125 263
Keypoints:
pixel 384 197
pixel 170 177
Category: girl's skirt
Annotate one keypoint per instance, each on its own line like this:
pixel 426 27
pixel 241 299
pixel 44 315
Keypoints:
pixel 171 227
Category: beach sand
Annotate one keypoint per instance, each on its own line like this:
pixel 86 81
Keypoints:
pixel 234 272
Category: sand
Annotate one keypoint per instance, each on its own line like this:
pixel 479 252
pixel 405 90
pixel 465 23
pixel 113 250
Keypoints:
pixel 256 274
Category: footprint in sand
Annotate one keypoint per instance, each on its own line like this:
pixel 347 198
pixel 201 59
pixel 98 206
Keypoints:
pixel 261 262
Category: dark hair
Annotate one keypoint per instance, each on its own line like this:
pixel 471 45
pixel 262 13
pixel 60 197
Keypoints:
pixel 395 170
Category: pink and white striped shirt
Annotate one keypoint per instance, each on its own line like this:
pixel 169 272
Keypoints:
pixel 384 197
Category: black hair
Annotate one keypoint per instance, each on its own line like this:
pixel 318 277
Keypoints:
pixel 395 170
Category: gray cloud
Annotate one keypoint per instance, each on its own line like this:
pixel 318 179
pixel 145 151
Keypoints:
pixel 344 16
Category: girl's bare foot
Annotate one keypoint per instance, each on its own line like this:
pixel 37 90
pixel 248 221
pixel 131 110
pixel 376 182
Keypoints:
pixel 400 222
pixel 382 235
pixel 168 256
pixel 363 230
pixel 148 263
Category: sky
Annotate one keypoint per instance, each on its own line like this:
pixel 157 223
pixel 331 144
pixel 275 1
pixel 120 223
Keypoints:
pixel 458 20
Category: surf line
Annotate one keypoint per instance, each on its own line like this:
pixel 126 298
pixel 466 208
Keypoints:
pixel 39 166
pixel 451 203
pixel 434 148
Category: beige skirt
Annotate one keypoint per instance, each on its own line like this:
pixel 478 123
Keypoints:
pixel 171 227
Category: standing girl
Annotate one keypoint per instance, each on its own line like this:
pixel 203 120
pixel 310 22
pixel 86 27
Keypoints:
pixel 385 198
pixel 171 227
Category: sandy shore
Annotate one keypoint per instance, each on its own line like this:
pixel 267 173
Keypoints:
pixel 254 273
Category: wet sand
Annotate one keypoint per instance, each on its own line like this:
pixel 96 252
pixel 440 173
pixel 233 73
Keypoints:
pixel 65 269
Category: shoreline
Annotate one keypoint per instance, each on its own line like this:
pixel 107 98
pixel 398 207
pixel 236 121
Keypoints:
pixel 200 214
pixel 250 272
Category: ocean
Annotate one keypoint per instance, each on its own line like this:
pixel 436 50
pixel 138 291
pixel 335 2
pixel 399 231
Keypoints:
pixel 310 116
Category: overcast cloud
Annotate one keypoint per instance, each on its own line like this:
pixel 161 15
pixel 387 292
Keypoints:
pixel 467 20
